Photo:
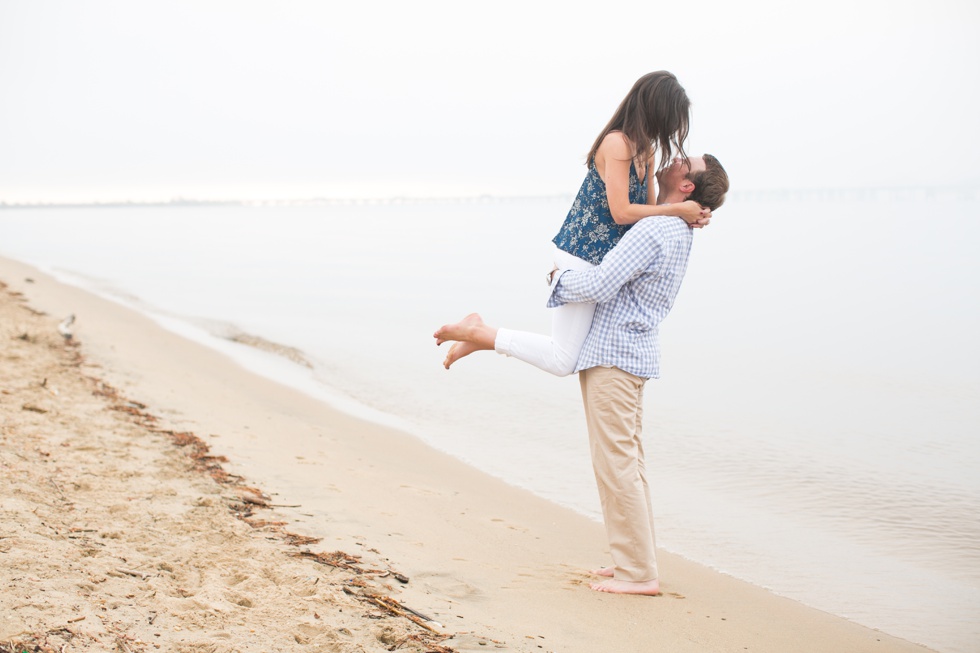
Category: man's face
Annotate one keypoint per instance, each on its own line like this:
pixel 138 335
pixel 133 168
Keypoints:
pixel 673 176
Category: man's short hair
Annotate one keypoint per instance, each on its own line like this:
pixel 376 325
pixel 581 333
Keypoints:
pixel 710 185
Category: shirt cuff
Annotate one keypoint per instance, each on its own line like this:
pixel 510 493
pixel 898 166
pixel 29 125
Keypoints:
pixel 553 299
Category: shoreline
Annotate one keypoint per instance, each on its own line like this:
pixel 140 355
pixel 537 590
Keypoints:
pixel 482 557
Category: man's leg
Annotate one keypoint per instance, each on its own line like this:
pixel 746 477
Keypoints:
pixel 613 410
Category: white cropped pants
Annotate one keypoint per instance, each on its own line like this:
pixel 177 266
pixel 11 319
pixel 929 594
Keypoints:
pixel 570 325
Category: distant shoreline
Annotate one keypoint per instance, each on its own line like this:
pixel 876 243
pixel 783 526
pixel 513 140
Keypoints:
pixel 320 201
pixel 963 192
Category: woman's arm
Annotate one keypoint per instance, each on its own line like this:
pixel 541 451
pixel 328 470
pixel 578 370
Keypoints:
pixel 642 249
pixel 612 161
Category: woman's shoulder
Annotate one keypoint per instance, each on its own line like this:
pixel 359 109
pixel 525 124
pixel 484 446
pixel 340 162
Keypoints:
pixel 615 148
pixel 616 144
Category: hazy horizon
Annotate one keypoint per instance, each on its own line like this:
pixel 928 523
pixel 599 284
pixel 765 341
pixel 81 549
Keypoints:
pixel 113 101
pixel 762 194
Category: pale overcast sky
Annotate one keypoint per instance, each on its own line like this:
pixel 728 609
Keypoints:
pixel 107 99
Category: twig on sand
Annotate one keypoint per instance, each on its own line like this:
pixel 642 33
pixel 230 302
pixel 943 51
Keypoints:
pixel 337 559
pixel 294 539
pixel 58 488
pixel 130 572
pixel 408 609
pixel 394 607
pixel 401 578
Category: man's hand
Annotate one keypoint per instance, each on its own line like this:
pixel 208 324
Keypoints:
pixel 551 275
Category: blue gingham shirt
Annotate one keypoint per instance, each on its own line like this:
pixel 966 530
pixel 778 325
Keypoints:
pixel 634 288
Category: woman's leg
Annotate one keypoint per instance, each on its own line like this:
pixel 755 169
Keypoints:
pixel 570 325
pixel 556 353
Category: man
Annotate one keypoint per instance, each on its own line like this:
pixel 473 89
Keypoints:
pixel 633 288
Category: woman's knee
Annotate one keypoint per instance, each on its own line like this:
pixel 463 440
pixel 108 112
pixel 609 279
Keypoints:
pixel 563 364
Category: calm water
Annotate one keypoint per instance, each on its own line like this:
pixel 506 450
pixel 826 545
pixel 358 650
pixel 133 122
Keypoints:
pixel 816 428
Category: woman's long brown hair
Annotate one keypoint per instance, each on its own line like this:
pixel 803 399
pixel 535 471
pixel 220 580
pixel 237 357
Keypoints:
pixel 655 114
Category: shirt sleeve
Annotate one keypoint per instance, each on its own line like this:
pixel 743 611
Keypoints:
pixel 640 250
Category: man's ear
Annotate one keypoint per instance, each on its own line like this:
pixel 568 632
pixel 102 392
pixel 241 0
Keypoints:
pixel 687 187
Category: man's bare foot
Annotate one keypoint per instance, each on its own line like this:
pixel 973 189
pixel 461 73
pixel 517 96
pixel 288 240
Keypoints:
pixel 613 586
pixel 457 351
pixel 461 331
pixel 605 571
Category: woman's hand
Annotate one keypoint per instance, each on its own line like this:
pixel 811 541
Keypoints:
pixel 692 213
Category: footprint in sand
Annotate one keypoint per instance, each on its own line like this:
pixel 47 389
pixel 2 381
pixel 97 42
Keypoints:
pixel 545 574
pixel 447 585
pixel 426 492
pixel 321 638
pixel 519 529
pixel 235 579
pixel 239 599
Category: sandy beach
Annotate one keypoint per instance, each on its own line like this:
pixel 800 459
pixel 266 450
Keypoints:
pixel 156 496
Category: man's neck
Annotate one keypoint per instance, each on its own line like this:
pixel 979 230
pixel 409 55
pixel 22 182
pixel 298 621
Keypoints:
pixel 671 197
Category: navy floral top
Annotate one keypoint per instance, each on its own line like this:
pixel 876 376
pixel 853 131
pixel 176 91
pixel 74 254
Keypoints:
pixel 589 231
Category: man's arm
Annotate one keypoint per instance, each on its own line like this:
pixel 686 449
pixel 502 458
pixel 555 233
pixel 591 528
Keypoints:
pixel 639 250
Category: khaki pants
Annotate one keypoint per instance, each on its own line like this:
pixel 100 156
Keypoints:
pixel 614 412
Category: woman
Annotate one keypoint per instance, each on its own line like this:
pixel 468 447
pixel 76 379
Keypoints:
pixel 645 133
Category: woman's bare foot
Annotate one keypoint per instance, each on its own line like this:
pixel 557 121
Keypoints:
pixel 613 586
pixel 457 351
pixel 461 331
pixel 470 334
pixel 605 571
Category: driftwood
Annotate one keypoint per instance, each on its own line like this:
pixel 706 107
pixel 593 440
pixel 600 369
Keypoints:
pixel 295 539
pixel 337 559
pixel 392 606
